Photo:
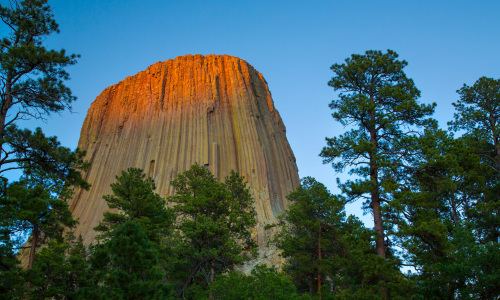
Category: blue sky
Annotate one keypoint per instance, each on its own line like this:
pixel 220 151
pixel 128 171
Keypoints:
pixel 292 43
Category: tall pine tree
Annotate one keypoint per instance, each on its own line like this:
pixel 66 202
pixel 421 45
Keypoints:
pixel 32 87
pixel 379 104
pixel 328 254
pixel 478 115
pixel 128 261
pixel 214 220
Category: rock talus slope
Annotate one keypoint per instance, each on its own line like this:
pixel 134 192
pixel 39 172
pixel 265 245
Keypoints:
pixel 212 110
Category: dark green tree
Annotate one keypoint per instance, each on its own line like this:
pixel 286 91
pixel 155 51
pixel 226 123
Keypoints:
pixel 61 270
pixel 380 103
pixel 214 220
pixel 478 116
pixel 127 266
pixel 11 280
pixel 428 211
pixel 136 200
pixel 32 87
pixel 263 283
pixel 478 113
pixel 311 224
pixel 129 261
pixel 329 255
pixel 449 212
pixel 12 283
pixel 26 208
pixel 434 227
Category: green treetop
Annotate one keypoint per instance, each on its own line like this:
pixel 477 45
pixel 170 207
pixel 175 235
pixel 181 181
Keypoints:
pixel 328 254
pixel 127 266
pixel 478 117
pixel 478 113
pixel 32 87
pixel 263 283
pixel 61 270
pixel 136 200
pixel 311 224
pixel 214 220
pixel 379 103
pixel 127 263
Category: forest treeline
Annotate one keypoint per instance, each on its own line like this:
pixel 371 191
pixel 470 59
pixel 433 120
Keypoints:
pixel 433 194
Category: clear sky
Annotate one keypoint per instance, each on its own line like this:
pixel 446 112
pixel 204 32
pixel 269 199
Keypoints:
pixel 292 43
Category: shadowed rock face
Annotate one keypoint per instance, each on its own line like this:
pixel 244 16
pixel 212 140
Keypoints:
pixel 212 110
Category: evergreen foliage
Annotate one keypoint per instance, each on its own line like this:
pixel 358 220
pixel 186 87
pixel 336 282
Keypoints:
pixel 478 114
pixel 127 263
pixel 434 197
pixel 311 226
pixel 330 255
pixel 448 212
pixel 380 104
pixel 127 266
pixel 214 220
pixel 61 270
pixel 136 200
pixel 27 208
pixel 262 283
pixel 32 87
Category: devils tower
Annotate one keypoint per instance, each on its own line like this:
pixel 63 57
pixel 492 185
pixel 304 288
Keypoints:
pixel 214 110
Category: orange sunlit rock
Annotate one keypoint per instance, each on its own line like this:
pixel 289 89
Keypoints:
pixel 214 110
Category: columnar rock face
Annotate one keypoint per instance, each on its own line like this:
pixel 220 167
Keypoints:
pixel 212 110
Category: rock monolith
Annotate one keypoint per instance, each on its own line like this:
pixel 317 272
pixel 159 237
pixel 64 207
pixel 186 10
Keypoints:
pixel 214 110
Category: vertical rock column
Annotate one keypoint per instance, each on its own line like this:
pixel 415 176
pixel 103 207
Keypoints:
pixel 212 110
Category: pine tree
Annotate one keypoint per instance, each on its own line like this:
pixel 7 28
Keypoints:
pixel 311 224
pixel 262 283
pixel 127 266
pixel 429 214
pixel 61 270
pixel 33 208
pixel 214 220
pixel 128 262
pixel 478 114
pixel 329 254
pixel 448 210
pixel 135 198
pixel 379 102
pixel 32 87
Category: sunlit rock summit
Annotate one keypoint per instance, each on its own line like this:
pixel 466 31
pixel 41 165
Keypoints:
pixel 214 110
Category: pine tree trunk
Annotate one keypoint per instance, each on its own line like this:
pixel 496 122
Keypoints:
pixel 319 262
pixel 375 193
pixel 378 224
pixel 454 212
pixel 311 285
pixel 33 246
pixel 6 103
pixel 496 144
pixel 375 200
pixel 32 251
pixel 188 282
pixel 212 273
